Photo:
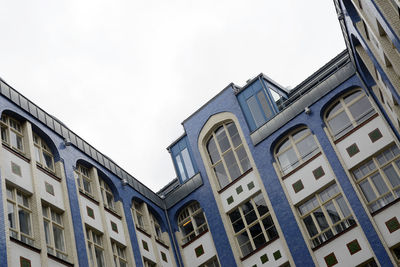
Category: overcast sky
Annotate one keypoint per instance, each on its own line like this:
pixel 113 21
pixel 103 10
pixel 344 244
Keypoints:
pixel 123 75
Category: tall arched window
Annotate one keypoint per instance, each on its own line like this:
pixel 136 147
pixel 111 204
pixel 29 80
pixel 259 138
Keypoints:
pixel 295 149
pixel 227 154
pixel 347 112
pixel 43 154
pixel 192 222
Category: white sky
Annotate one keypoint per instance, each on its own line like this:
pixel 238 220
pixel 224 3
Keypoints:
pixel 124 74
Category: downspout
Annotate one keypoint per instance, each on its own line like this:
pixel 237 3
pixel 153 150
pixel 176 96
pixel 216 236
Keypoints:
pixel 173 238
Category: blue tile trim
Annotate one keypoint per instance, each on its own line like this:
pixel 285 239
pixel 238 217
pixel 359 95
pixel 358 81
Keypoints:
pixel 3 237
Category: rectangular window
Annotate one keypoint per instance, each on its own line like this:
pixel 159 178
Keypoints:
pixel 19 215
pixel 378 179
pixel 84 180
pixel 325 215
pixel 95 247
pixel 182 160
pixel 11 133
pixel 54 231
pixel 119 254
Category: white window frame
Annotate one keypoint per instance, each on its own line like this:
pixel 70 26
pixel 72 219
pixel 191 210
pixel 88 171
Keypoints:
pixel 139 215
pixel 186 216
pixel 10 128
pixel 85 175
pixel 50 217
pixel 107 196
pixel 42 149
pixel 119 254
pixel 94 241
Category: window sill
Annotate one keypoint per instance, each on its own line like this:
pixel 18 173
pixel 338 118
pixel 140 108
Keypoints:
pixel 52 175
pixel 355 129
pixel 55 258
pixel 334 237
pixel 258 249
pixel 143 231
pixel 194 239
pixel 113 212
pixel 17 153
pixel 89 197
pixel 162 243
pixel 385 207
pixel 234 181
pixel 19 242
pixel 301 165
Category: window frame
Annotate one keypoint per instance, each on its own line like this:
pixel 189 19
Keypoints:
pixel 12 199
pixel 51 248
pixel 42 149
pixel 117 250
pixel 232 148
pixel 184 166
pixel 9 127
pixel 106 192
pixel 93 244
pixel 85 175
pixel 291 143
pixel 247 226
pixel 321 205
pixel 379 169
pixel 139 215
pixel 353 122
pixel 186 216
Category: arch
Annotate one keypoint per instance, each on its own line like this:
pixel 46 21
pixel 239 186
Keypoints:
pixel 278 139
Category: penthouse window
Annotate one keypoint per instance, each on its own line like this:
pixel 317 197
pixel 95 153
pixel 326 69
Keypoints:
pixel 182 160
pixel 295 149
pixel 325 215
pixel 227 154
pixel 84 180
pixel 378 178
pixel 192 222
pixel 252 224
pixel 347 112
pixel 11 133
pixel 43 154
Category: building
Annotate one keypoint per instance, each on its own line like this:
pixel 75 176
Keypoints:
pixel 265 176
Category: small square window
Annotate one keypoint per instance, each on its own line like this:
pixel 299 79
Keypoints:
pixel 229 200
pixel 199 251
pixel 330 260
pixel 277 255
pixel 297 186
pixel 90 212
pixel 239 189
pixel 164 257
pixel 145 245
pixel 250 185
pixel 352 150
pixel 264 258
pixel 49 188
pixel 375 135
pixel 392 225
pixel 24 262
pixel 353 247
pixel 114 227
pixel 16 169
pixel 318 172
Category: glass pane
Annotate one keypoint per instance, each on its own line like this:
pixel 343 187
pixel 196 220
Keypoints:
pixel 24 221
pixel 349 98
pixel 4 137
pixel 260 204
pixel 300 134
pixel 244 160
pixel 222 139
pixel 343 206
pixel 332 212
pixel 199 219
pixel 244 243
pixel 188 163
pixel 306 147
pixel 212 151
pixel 11 215
pixel 233 133
pixel 288 160
pixel 308 206
pixel 48 159
pixel 180 167
pixel 221 175
pixel 264 104
pixel 47 232
pixel 333 110
pixel 379 183
pixel 255 111
pixel 283 146
pixel 329 192
pixel 187 228
pixel 58 238
pixel 366 188
pixel 87 186
pixel 37 154
pixel 257 235
pixel 361 109
pixel 311 228
pixel 320 218
pixel 236 220
pixel 270 227
pixel 231 164
pixel 99 257
pixel 392 175
pixel 340 124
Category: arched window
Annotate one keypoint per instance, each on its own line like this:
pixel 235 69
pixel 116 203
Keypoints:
pixel 156 227
pixel 192 222
pixel 84 180
pixel 227 154
pixel 139 215
pixel 11 132
pixel 295 149
pixel 107 195
pixel 347 112
pixel 43 154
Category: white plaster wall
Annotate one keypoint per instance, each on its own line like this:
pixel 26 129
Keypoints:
pixel 96 223
pixel 56 200
pixel 238 198
pixel 148 254
pixel 25 181
pixel 338 246
pixel 53 263
pixel 120 236
pixel 306 176
pixel 391 239
pixel 209 250
pixel 170 262
pixel 16 251
pixel 269 250
pixel 364 143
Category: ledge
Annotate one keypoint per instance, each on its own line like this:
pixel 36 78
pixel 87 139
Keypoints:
pixel 64 262
pixel 234 181
pixel 355 128
pixel 52 175
pixel 194 239
pixel 113 212
pixel 89 197
pixel 19 242
pixel 335 237
pixel 16 153
pixel 143 232
pixel 258 249
pixel 302 165
pixel 161 243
